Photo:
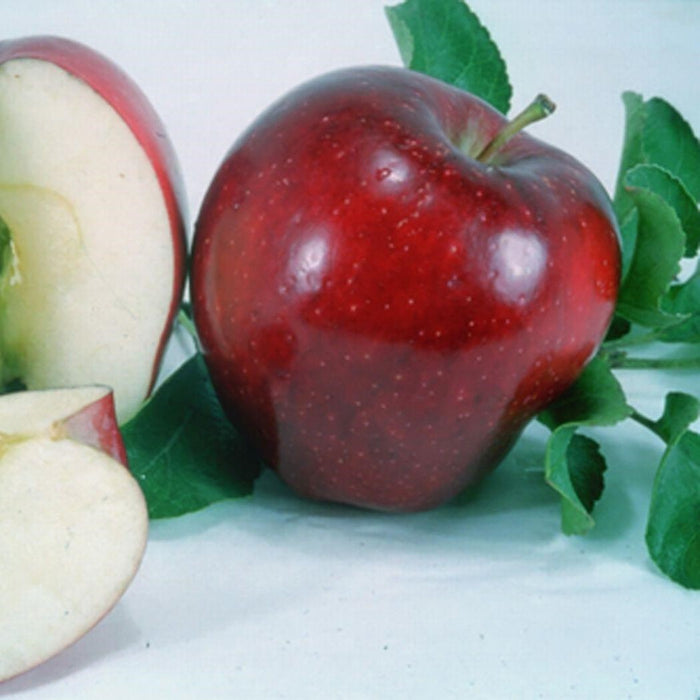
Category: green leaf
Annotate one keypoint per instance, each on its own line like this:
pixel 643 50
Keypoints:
pixel 673 527
pixel 447 41
pixel 668 141
pixel 183 450
pixel 656 134
pixel 655 262
pixel 683 301
pixel 650 318
pixel 596 398
pixel 574 466
pixel 629 227
pixel 656 204
pixel 680 412
pixel 632 152
pixel 661 182
pixel 619 328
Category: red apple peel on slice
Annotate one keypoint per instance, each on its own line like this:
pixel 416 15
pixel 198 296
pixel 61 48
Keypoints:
pixel 73 521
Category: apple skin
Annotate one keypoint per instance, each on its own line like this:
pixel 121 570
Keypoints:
pixel 127 99
pixel 96 425
pixel 381 312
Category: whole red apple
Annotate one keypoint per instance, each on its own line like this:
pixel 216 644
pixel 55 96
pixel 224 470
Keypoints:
pixel 382 307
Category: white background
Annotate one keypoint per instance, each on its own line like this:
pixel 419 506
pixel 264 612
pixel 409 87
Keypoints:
pixel 272 597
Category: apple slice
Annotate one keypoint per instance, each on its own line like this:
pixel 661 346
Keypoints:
pixel 73 521
pixel 93 243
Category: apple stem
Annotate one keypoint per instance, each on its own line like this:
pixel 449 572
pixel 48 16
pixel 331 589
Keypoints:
pixel 539 108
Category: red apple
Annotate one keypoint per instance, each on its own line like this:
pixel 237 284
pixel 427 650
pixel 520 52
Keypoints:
pixel 93 256
pixel 384 300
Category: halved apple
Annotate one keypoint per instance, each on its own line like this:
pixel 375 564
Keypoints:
pixel 73 521
pixel 92 253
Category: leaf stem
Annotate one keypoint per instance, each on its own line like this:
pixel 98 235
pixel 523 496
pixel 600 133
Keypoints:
pixel 648 423
pixel 538 109
pixel 620 360
pixel 628 341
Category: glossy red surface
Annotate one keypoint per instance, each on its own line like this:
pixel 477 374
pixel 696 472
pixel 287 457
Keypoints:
pixel 382 313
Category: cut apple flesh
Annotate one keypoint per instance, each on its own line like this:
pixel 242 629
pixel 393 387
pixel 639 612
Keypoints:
pixel 73 529
pixel 87 283
pixel 84 414
pixel 72 534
